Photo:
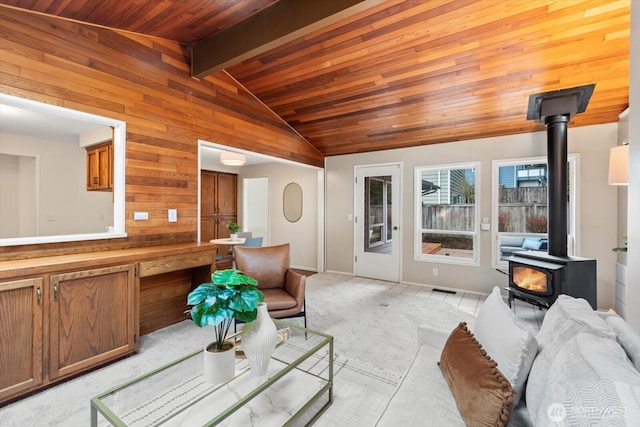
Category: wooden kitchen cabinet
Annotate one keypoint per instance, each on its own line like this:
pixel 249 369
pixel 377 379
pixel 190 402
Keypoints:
pixel 63 315
pixel 92 318
pixel 100 167
pixel 21 336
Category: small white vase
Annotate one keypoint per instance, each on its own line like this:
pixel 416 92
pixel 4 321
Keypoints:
pixel 233 237
pixel 219 367
pixel 259 341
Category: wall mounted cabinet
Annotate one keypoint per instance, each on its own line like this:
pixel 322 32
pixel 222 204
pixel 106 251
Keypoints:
pixel 100 167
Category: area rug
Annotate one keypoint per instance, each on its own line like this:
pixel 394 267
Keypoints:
pixel 374 326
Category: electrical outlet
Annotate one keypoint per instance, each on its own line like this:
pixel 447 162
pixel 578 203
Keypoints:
pixel 173 215
pixel 435 272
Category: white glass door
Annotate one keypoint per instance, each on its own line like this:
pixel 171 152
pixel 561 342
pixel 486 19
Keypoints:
pixel 377 226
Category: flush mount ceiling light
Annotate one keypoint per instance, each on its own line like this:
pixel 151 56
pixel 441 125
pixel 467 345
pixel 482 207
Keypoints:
pixel 232 159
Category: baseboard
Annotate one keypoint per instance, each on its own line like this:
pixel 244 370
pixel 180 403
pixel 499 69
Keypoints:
pixel 344 273
pixel 446 288
pixel 300 267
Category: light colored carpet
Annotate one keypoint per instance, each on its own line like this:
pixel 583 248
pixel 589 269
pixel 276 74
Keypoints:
pixel 374 329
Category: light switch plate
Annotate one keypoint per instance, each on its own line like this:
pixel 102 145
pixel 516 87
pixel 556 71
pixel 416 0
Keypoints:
pixel 173 215
pixel 141 216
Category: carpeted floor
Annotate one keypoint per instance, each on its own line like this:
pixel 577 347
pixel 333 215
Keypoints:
pixel 374 331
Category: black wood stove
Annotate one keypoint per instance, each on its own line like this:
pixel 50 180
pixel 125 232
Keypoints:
pixel 539 277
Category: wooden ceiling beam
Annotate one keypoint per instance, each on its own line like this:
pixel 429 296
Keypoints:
pixel 274 26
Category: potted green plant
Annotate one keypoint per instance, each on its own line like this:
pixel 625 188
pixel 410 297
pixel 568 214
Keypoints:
pixel 233 228
pixel 230 295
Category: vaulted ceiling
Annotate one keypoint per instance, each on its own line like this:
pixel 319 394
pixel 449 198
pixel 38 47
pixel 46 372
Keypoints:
pixel 402 73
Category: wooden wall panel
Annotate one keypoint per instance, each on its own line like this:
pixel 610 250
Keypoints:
pixel 163 300
pixel 145 82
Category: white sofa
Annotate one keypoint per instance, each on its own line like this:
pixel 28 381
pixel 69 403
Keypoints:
pixel 582 373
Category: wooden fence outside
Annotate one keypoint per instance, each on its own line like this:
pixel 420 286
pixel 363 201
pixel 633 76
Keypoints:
pixel 512 217
pixel 449 217
pixel 523 195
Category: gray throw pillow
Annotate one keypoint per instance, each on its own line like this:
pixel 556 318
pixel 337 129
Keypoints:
pixel 507 340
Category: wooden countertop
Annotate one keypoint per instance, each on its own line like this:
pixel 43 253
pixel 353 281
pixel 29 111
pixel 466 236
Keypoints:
pixel 60 263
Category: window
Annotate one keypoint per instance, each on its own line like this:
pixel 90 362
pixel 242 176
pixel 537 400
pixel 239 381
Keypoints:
pixel 520 206
pixel 446 213
pixel 378 202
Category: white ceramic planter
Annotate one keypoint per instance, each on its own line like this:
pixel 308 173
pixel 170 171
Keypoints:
pixel 233 236
pixel 219 367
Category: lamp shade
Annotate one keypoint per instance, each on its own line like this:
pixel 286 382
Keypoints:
pixel 232 159
pixel 619 165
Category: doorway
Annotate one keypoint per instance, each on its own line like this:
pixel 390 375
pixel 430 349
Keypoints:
pixel 377 223
pixel 255 202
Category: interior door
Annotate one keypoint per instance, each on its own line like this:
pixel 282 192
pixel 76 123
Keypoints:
pixel 377 222
pixel 255 210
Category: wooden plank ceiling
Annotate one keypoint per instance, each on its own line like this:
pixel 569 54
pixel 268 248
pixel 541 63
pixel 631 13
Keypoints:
pixel 406 73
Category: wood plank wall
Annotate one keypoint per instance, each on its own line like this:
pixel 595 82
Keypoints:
pixel 147 83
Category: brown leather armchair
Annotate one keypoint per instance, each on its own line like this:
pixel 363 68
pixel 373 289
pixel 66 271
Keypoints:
pixel 283 288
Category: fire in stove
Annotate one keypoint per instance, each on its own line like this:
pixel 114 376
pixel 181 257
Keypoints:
pixel 530 279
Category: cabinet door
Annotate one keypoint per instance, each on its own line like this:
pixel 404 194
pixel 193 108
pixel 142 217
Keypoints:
pixel 92 318
pixel 226 194
pixel 99 167
pixel 221 226
pixel 208 181
pixel 20 336
pixel 208 229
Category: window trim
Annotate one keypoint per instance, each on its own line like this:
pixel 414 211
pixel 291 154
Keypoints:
pixel 418 230
pixel 574 174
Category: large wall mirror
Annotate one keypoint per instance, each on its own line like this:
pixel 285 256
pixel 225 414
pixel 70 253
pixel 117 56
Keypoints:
pixel 292 202
pixel 43 174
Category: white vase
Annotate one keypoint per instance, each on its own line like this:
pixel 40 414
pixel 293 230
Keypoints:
pixel 259 340
pixel 233 237
pixel 219 367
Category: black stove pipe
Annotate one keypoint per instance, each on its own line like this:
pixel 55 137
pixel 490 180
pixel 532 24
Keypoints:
pixel 558 183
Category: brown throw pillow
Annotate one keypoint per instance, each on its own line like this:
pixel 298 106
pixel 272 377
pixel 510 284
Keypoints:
pixel 483 395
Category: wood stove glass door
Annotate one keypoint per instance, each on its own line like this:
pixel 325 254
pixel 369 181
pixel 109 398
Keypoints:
pixel 377 222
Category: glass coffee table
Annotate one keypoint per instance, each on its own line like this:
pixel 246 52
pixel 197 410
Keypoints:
pixel 296 390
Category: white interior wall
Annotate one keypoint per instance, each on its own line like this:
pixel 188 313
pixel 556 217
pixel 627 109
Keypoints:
pixel 302 235
pixel 27 196
pixel 633 219
pixel 9 174
pixel 597 210
pixel 65 205
pixel 623 193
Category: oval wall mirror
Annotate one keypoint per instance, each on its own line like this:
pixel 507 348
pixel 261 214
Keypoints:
pixel 292 202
